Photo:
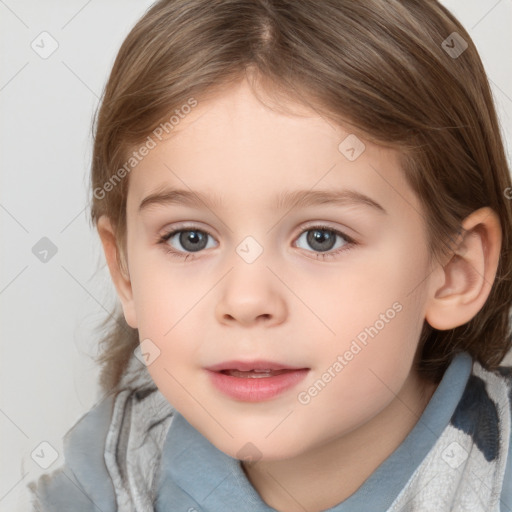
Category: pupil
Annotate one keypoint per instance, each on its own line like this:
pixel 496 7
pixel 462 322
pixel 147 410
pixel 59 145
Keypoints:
pixel 191 240
pixel 321 239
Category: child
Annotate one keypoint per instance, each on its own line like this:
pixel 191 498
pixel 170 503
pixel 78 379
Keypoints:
pixel 260 370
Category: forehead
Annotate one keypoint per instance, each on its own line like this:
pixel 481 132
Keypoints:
pixel 232 143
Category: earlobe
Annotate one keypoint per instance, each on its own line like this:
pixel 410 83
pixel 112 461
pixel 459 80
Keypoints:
pixel 120 276
pixel 469 274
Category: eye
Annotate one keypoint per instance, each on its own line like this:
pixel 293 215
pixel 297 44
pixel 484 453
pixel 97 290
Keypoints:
pixel 324 239
pixel 193 240
pixel 320 238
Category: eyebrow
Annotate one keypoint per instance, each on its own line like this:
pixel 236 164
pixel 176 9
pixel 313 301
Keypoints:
pixel 284 201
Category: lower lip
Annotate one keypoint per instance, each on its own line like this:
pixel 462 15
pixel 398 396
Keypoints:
pixel 256 389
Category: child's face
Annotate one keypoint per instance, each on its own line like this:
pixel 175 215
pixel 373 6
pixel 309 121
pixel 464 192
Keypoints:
pixel 227 301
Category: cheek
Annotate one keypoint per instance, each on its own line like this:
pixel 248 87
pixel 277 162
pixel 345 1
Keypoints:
pixel 167 303
pixel 361 391
pixel 374 282
pixel 377 316
pixel 164 291
pixel 355 380
pixel 167 308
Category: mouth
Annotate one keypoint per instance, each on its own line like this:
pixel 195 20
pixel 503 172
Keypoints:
pixel 254 374
pixel 254 381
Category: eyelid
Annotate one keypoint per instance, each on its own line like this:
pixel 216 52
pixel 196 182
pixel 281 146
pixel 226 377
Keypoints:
pixel 325 225
pixel 196 225
pixel 186 225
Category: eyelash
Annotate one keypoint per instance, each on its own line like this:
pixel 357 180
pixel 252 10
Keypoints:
pixel 318 255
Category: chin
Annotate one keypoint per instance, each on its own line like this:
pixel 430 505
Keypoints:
pixel 251 449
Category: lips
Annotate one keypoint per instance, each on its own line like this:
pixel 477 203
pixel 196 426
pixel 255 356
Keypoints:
pixel 254 381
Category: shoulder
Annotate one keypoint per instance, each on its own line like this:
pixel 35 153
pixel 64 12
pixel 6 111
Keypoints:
pixel 498 386
pixel 485 407
pixel 506 497
pixel 495 385
pixel 505 372
pixel 112 454
pixel 83 483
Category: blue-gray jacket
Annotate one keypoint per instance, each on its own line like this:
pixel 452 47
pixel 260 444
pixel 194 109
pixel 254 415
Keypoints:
pixel 135 453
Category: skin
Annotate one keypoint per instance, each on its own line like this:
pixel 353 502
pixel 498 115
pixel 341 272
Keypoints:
pixel 287 305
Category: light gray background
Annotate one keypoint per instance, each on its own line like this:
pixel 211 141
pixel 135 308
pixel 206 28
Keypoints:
pixel 49 310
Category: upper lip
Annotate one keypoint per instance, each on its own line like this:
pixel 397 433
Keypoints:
pixel 259 364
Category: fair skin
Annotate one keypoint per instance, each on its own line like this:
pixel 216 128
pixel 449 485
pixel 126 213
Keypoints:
pixel 288 305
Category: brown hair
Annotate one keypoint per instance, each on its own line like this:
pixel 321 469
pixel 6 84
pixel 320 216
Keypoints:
pixel 378 66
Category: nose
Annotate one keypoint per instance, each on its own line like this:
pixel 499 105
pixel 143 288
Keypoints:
pixel 251 295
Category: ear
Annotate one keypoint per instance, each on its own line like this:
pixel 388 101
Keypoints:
pixel 119 275
pixel 468 277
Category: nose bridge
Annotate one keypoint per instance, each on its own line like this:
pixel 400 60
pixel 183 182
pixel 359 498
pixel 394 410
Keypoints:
pixel 250 249
pixel 251 292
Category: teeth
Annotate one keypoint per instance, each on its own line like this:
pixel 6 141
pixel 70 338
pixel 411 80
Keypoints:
pixel 253 374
